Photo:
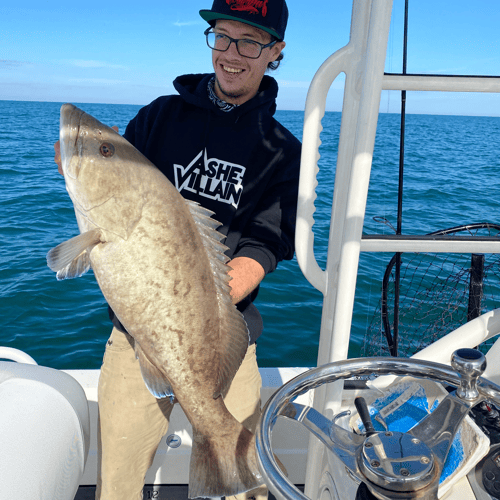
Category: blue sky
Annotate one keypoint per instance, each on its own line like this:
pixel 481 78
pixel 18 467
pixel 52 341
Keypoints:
pixel 130 52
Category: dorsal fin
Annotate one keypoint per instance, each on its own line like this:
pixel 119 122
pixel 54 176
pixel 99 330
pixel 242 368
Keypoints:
pixel 233 340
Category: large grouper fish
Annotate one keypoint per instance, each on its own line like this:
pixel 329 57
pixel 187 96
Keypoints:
pixel 160 264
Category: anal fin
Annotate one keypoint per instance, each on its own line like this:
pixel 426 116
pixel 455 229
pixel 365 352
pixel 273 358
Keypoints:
pixel 154 379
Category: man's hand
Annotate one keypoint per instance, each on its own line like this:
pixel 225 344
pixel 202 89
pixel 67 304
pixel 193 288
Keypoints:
pixel 246 275
pixel 57 153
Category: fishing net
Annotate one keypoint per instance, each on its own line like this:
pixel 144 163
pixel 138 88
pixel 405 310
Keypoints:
pixel 434 295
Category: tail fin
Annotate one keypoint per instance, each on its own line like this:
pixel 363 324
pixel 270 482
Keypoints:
pixel 224 463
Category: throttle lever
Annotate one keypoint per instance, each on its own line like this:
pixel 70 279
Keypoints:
pixel 364 415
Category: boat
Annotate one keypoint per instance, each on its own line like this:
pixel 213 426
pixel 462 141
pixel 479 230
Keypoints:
pixel 333 445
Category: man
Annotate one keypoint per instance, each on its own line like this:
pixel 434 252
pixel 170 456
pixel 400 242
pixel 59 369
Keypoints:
pixel 218 143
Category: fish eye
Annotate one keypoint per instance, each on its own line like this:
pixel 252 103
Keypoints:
pixel 107 149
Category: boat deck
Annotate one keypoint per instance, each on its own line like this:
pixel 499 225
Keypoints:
pixel 168 476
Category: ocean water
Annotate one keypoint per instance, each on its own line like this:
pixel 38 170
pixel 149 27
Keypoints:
pixel 452 177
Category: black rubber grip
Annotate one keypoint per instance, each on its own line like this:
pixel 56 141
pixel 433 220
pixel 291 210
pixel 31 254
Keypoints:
pixel 364 415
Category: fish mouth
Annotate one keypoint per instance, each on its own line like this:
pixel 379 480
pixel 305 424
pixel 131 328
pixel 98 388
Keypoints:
pixel 72 134
pixel 70 141
pixel 69 133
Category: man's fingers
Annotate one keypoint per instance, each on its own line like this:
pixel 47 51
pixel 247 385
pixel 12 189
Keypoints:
pixel 57 157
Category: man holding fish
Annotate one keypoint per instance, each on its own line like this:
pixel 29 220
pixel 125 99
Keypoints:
pixel 221 149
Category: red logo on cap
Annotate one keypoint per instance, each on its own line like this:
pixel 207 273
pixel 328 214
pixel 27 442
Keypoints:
pixel 251 6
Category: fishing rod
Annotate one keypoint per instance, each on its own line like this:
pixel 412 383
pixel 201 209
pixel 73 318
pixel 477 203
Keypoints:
pixel 393 342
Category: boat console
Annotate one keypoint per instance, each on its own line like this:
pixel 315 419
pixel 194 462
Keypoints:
pixel 391 462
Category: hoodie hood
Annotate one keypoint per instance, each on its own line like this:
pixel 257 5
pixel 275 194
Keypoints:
pixel 194 90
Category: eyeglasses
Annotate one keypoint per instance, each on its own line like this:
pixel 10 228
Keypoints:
pixel 245 48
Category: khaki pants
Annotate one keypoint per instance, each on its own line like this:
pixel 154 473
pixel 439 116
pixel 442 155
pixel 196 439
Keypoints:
pixel 132 421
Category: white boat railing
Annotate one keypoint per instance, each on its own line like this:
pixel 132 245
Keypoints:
pixel 437 83
pixel 362 60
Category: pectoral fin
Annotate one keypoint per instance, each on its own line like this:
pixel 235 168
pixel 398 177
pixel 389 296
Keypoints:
pixel 71 258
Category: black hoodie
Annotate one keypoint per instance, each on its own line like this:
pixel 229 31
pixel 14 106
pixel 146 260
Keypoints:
pixel 243 165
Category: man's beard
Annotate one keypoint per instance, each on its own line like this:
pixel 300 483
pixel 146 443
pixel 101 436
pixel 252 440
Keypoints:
pixel 223 92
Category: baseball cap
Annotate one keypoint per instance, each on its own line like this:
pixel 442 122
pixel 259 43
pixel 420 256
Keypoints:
pixel 268 15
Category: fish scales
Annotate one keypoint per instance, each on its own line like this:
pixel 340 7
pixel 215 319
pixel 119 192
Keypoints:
pixel 160 265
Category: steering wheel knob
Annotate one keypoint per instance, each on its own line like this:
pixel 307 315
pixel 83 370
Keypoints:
pixel 470 365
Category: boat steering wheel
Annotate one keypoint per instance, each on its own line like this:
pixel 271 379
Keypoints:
pixel 392 465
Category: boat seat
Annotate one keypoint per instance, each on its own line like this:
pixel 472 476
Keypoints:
pixel 45 432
